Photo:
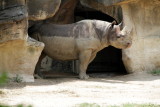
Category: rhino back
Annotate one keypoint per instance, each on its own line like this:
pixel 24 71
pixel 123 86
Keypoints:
pixel 77 30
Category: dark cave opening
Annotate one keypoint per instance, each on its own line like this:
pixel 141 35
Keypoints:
pixel 108 60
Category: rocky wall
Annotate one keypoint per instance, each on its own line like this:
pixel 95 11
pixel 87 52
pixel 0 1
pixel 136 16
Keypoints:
pixel 42 9
pixel 143 16
pixel 65 14
pixel 18 52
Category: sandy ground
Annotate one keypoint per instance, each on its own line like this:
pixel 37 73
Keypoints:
pixel 67 92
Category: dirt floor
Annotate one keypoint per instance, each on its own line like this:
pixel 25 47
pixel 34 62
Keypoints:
pixel 67 92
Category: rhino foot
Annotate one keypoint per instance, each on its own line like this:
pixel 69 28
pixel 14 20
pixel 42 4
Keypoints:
pixel 83 76
pixel 39 76
pixel 36 76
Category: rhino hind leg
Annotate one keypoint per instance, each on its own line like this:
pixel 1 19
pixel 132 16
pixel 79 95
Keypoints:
pixel 92 57
pixel 84 59
pixel 37 72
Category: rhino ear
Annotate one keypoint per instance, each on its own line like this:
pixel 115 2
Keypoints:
pixel 121 25
pixel 113 23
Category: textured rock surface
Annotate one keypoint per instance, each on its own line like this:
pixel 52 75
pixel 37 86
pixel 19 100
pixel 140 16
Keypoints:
pixel 144 55
pixel 18 53
pixel 19 58
pixel 110 7
pixel 42 9
pixel 104 6
pixel 65 14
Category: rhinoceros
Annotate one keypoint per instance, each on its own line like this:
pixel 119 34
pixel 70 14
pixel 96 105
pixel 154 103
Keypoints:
pixel 79 41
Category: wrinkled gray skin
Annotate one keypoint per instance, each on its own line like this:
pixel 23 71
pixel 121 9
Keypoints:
pixel 81 40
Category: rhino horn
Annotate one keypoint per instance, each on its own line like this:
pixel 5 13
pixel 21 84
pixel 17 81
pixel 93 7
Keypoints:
pixel 121 25
pixel 113 23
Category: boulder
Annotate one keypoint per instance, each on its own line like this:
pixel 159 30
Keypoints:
pixel 42 9
pixel 18 53
pixel 143 16
pixel 19 57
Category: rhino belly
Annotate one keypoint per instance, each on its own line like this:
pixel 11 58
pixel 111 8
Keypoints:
pixel 60 48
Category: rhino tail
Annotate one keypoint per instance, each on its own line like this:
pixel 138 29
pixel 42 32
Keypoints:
pixel 34 28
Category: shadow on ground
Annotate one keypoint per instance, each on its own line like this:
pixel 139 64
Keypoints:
pixel 141 76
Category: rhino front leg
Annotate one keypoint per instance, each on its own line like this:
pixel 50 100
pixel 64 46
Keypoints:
pixel 84 59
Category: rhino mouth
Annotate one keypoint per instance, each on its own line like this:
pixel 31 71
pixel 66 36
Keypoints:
pixel 128 45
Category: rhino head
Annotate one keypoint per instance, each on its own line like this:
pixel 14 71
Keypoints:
pixel 119 36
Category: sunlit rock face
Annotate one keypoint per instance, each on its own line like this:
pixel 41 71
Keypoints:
pixel 18 53
pixel 143 16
